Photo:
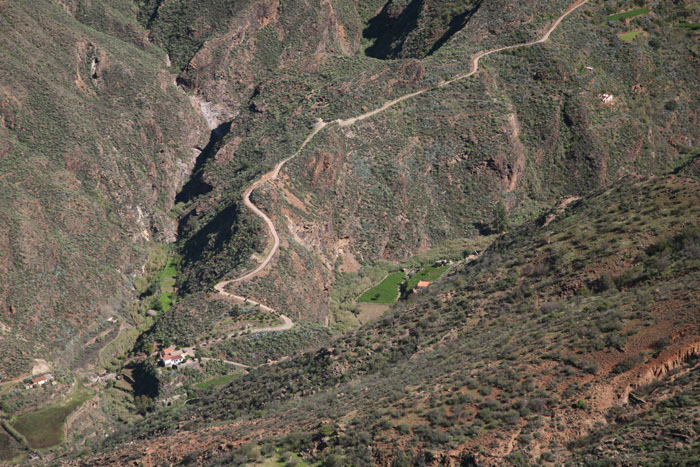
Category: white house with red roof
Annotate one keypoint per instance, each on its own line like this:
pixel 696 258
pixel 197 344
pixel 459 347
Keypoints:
pixel 170 356
pixel 39 380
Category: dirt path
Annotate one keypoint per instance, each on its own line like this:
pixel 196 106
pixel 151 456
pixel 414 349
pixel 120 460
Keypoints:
pixel 272 175
pixel 285 326
pixel 240 365
pixel 320 125
pixel 475 68
pixel 286 322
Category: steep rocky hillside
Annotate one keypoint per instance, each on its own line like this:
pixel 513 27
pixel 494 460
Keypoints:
pixel 231 177
pixel 534 124
pixel 582 319
pixel 95 140
pixel 415 28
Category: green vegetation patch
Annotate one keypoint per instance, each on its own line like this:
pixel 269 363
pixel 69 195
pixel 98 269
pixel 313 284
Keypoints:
pixel 170 269
pixel 628 14
pixel 691 26
pixel 165 301
pixel 386 291
pixel 628 36
pixel 428 273
pixel 44 428
pixel 218 381
pixel 166 281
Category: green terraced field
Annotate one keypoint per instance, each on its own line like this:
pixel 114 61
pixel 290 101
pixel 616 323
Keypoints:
pixel 385 292
pixel 218 381
pixel 167 284
pixel 628 14
pixel 628 36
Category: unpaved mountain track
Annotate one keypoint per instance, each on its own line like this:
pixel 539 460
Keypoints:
pixel 475 68
pixel 236 364
pixel 320 125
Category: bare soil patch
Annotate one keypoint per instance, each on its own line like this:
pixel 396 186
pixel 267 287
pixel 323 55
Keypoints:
pixel 371 311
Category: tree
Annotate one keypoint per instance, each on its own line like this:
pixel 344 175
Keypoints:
pixel 144 404
pixel 500 218
pixel 149 347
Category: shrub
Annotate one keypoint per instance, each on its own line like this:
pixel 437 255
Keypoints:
pixel 605 282
pixel 537 405
pixel 627 364
pixel 592 368
pixel 661 344
pixel 500 218
pixel 679 400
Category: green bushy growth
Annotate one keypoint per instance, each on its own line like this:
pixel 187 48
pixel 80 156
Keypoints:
pixel 182 26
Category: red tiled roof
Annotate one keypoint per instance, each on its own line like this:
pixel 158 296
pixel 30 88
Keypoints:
pixel 171 354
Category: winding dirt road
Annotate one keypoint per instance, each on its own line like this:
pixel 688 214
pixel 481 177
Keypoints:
pixel 320 125
pixel 236 364
pixel 474 65
pixel 272 175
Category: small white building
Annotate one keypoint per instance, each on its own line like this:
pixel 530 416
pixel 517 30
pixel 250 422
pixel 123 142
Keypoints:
pixel 169 356
pixel 39 380
pixel 606 98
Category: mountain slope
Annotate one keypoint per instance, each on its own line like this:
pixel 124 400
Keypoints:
pixel 513 356
pixel 234 192
pixel 529 128
pixel 94 141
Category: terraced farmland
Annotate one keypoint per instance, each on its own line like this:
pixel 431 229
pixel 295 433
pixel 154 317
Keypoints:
pixel 44 428
pixel 386 291
pixel 628 14
pixel 629 36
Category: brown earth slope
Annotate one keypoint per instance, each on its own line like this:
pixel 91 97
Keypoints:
pixel 95 140
pixel 555 331
pixel 528 129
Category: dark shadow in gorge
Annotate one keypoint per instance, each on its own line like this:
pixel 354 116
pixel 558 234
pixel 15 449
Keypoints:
pixel 456 24
pixel 196 186
pixel 222 244
pixel 389 34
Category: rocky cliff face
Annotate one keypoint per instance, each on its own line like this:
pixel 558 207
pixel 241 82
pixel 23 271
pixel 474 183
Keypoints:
pixel 95 141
